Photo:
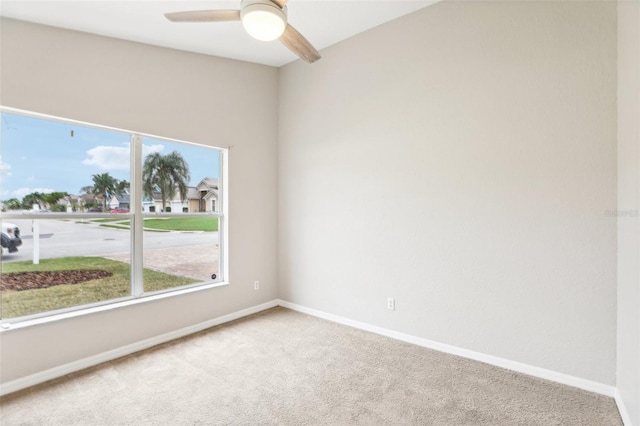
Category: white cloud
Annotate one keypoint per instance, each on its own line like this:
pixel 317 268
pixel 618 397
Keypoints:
pixel 115 157
pixel 108 157
pixel 5 169
pixel 20 193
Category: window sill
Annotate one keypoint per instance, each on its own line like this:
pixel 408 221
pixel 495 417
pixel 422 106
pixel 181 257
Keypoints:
pixel 7 325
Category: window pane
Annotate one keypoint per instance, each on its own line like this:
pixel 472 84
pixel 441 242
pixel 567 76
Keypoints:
pixel 64 263
pixel 64 168
pixel 180 179
pixel 168 166
pixel 185 247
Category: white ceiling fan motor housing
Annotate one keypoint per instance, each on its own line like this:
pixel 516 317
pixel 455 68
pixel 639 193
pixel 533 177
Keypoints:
pixel 262 19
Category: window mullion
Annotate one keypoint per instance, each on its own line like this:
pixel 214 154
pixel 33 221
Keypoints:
pixel 137 276
pixel 223 225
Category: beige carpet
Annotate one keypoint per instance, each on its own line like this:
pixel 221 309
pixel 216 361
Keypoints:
pixel 285 368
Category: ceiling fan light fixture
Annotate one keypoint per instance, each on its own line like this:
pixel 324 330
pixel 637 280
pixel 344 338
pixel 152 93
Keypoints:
pixel 262 19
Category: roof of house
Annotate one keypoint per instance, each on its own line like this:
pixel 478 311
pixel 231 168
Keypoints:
pixel 156 197
pixel 211 194
pixel 122 197
pixel 208 182
pixel 193 193
pixel 210 185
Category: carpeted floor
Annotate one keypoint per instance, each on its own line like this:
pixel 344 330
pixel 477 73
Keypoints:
pixel 285 368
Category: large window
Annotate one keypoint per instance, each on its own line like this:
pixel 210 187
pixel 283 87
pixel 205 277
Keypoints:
pixel 93 216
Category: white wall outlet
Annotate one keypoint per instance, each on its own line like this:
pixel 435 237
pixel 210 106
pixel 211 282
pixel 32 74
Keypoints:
pixel 256 285
pixel 391 304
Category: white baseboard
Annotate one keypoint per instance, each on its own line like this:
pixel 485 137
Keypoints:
pixel 531 370
pixel 554 376
pixel 622 408
pixel 91 361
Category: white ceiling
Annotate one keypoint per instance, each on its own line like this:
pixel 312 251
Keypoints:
pixel 322 22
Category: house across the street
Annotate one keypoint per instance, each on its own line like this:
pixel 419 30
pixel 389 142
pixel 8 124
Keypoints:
pixel 200 198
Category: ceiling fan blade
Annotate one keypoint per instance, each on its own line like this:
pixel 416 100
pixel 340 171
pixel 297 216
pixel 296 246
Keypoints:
pixel 299 45
pixel 204 16
pixel 280 3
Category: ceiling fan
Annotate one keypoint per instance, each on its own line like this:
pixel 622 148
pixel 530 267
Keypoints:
pixel 264 20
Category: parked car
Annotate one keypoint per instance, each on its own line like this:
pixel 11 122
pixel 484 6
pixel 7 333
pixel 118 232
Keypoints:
pixel 95 210
pixel 119 210
pixel 11 237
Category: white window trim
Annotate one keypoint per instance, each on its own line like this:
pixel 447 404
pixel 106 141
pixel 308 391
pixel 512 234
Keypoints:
pixel 137 294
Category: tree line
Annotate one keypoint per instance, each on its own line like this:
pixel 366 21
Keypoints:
pixel 167 174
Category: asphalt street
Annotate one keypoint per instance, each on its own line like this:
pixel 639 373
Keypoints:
pixel 62 238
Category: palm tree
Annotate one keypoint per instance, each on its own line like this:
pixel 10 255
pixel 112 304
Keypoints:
pixel 167 173
pixel 104 184
pixel 122 186
pixel 86 189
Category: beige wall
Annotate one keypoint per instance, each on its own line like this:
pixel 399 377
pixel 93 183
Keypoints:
pixel 628 339
pixel 163 92
pixel 466 159
pixel 461 159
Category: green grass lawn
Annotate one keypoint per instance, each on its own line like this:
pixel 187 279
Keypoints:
pixel 208 224
pixel 19 303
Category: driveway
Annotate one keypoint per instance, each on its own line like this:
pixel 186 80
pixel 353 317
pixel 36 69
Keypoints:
pixel 197 262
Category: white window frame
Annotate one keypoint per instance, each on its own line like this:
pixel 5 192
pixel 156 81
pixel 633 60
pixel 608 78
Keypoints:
pixel 136 216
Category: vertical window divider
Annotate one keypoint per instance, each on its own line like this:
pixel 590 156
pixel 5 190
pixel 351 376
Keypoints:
pixel 223 225
pixel 137 221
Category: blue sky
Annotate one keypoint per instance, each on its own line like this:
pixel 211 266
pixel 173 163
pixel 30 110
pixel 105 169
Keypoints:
pixel 45 156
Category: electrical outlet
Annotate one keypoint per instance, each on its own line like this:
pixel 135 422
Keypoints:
pixel 256 285
pixel 391 304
